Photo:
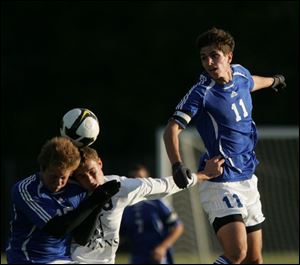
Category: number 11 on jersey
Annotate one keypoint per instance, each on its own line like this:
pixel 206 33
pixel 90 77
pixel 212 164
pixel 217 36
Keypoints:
pixel 236 111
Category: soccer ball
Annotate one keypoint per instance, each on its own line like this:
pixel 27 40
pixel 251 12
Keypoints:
pixel 81 126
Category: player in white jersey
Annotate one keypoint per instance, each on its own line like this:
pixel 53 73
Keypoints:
pixel 220 106
pixel 104 242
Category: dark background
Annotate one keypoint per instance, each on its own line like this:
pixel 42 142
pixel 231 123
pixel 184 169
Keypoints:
pixel 130 62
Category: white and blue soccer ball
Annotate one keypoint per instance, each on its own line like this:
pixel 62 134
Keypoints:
pixel 81 126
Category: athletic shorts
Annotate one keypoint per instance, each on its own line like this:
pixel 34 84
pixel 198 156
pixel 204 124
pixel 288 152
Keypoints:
pixel 221 199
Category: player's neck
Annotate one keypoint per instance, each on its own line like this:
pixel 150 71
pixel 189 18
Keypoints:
pixel 225 79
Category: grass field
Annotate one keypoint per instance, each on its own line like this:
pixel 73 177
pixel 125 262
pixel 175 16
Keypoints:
pixel 277 258
pixel 269 258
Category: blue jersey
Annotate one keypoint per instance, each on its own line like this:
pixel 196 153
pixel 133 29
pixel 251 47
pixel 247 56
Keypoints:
pixel 222 115
pixel 146 224
pixel 33 207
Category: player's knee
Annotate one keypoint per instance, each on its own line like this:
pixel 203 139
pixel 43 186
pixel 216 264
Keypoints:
pixel 237 255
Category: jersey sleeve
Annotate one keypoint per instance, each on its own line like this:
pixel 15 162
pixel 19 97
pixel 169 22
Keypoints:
pixel 245 73
pixel 168 215
pixel 189 105
pixel 37 208
pixel 250 79
pixel 137 189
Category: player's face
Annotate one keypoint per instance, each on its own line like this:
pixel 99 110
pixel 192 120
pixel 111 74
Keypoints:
pixel 216 63
pixel 55 178
pixel 141 173
pixel 89 175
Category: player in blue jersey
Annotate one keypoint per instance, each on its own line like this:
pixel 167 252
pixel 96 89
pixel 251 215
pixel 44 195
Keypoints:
pixel 220 107
pixel 44 203
pixel 151 227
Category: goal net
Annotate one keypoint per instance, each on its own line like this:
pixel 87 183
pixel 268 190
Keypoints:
pixel 278 175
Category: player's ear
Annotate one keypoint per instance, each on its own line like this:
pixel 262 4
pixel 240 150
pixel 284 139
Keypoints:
pixel 100 163
pixel 229 57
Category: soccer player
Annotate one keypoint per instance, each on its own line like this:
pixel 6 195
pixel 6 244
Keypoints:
pixel 44 203
pixel 104 243
pixel 220 106
pixel 151 227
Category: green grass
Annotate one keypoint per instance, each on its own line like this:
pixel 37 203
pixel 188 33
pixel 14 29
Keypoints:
pixel 269 258
pixel 282 258
pixel 3 259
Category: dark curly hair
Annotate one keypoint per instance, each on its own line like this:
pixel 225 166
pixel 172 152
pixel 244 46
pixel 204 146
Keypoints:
pixel 218 37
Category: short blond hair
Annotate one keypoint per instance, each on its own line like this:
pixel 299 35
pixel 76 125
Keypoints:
pixel 59 152
pixel 88 153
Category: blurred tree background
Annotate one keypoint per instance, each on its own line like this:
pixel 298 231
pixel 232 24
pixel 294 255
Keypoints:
pixel 130 62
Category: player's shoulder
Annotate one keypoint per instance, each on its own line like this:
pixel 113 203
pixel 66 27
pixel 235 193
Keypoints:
pixel 237 66
pixel 25 188
pixel 113 177
pixel 163 202
pixel 118 178
pixel 160 203
pixel 29 183
pixel 126 186
pixel 240 71
pixel 204 81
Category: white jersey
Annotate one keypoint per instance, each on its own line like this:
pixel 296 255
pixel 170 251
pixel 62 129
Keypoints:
pixel 102 247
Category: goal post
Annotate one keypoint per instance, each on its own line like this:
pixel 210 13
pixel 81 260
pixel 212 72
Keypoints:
pixel 278 174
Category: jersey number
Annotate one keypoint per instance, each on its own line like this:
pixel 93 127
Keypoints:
pixel 236 112
pixel 140 225
pixel 237 199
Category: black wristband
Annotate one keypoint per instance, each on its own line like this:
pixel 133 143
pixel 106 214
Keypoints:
pixel 176 165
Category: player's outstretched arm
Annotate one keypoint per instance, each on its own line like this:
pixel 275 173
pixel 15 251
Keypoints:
pixel 58 226
pixel 213 168
pixel 276 82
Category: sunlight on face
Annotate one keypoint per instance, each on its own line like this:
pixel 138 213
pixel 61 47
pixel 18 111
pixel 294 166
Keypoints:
pixel 216 63
pixel 90 174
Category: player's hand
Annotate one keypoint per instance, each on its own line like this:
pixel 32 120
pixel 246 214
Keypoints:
pixel 111 187
pixel 213 168
pixel 104 192
pixel 279 83
pixel 159 252
pixel 181 175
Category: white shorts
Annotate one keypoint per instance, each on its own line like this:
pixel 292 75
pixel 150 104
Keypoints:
pixel 221 199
